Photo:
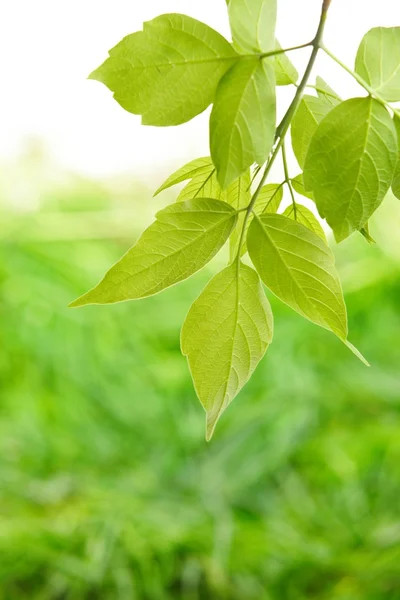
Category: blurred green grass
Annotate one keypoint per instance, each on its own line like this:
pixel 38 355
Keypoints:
pixel 107 487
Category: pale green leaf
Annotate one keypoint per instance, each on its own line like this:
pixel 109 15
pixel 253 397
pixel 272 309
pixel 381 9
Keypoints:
pixel 298 185
pixel 310 113
pixel 303 215
pixel 396 178
pixel 169 72
pixel 253 24
pixel 199 166
pixel 238 195
pixel 225 335
pixel 350 163
pixel 203 185
pixel 243 119
pixel 285 72
pixel 183 239
pixel 325 92
pixel 378 61
pixel 299 268
pixel 366 234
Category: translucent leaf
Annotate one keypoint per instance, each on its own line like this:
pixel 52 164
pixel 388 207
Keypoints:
pixel 225 335
pixel 325 92
pixel 303 215
pixel 169 72
pixel 238 195
pixel 285 72
pixel 199 166
pixel 378 61
pixel 299 268
pixel 253 24
pixel 203 185
pixel 242 125
pixel 396 178
pixel 350 163
pixel 183 239
pixel 310 113
pixel 298 185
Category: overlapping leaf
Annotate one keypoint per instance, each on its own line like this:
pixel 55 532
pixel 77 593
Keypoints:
pixel 396 178
pixel 184 238
pixel 225 335
pixel 378 61
pixel 285 71
pixel 303 215
pixel 350 163
pixel 253 24
pixel 243 119
pixel 299 268
pixel 169 72
pixel 238 195
pixel 298 185
pixel 194 168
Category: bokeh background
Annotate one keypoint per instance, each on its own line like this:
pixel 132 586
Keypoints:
pixel 108 490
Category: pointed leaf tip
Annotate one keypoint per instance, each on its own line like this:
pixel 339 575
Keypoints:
pixel 356 352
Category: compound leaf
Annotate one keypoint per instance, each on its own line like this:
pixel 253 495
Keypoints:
pixel 169 72
pixel 378 61
pixel 183 239
pixel 238 195
pixel 396 178
pixel 242 124
pixel 350 163
pixel 311 111
pixel 325 91
pixel 298 185
pixel 225 335
pixel 299 268
pixel 285 72
pixel 253 24
pixel 303 215
pixel 196 167
pixel 203 185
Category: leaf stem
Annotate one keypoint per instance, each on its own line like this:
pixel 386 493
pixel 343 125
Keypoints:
pixel 287 179
pixel 284 50
pixel 359 80
pixel 284 125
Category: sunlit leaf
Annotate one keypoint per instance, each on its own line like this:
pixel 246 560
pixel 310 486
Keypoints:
pixel 396 178
pixel 303 215
pixel 203 185
pixel 325 91
pixel 225 335
pixel 242 125
pixel 184 238
pixel 350 163
pixel 169 72
pixel 238 195
pixel 285 71
pixel 298 185
pixel 253 24
pixel 199 166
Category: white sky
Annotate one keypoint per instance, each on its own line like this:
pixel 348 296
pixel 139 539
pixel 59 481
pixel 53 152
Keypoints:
pixel 48 47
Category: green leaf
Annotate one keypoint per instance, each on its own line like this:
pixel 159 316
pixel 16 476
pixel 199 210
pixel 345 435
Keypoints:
pixel 366 234
pixel 199 166
pixel 310 113
pixel 350 163
pixel 299 268
pixel 285 72
pixel 225 335
pixel 298 185
pixel 238 195
pixel 378 61
pixel 203 185
pixel 183 239
pixel 253 24
pixel 325 92
pixel 243 119
pixel 304 216
pixel 169 72
pixel 396 178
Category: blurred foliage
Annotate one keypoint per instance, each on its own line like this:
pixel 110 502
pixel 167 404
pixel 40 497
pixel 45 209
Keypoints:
pixel 107 487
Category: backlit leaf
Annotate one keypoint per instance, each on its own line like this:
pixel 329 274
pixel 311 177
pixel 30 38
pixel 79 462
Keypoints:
pixel 203 185
pixel 299 268
pixel 298 185
pixel 310 113
pixel 325 91
pixel 350 163
pixel 225 335
pixel 253 24
pixel 396 178
pixel 378 61
pixel 238 195
pixel 285 71
pixel 199 166
pixel 169 72
pixel 183 239
pixel 242 125
pixel 303 215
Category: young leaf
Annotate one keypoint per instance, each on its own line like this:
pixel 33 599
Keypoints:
pixel 242 125
pixel 378 61
pixel 310 113
pixel 199 166
pixel 396 178
pixel 238 195
pixel 325 91
pixel 169 72
pixel 285 72
pixel 203 185
pixel 299 268
pixel 183 239
pixel 298 185
pixel 225 335
pixel 253 24
pixel 350 163
pixel 304 216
